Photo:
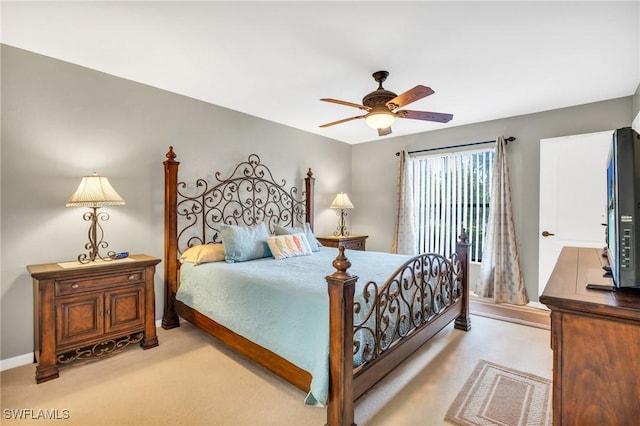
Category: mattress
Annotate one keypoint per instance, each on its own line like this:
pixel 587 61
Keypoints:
pixel 282 305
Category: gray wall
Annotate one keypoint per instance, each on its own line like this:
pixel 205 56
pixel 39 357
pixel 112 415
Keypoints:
pixel 374 180
pixel 61 121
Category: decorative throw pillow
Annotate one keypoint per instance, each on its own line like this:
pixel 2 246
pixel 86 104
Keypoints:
pixel 313 243
pixel 203 253
pixel 243 243
pixel 290 245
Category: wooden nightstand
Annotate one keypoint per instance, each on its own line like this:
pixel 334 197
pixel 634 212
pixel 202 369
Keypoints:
pixel 92 310
pixel 353 242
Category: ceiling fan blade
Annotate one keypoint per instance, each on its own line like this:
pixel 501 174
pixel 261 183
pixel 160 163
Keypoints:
pixel 344 120
pixel 425 115
pixel 384 132
pixel 351 104
pixel 409 96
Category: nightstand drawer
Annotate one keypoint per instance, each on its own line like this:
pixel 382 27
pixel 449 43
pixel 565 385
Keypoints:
pixel 66 287
pixel 353 244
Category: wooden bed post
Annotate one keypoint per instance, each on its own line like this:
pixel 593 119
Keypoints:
pixel 340 410
pixel 309 182
pixel 170 318
pixel 463 322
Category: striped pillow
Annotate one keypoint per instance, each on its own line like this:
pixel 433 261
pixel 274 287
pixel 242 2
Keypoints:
pixel 292 245
pixel 284 230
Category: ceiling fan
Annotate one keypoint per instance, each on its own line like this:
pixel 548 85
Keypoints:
pixel 382 106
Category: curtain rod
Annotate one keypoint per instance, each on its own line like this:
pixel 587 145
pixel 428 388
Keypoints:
pixel 507 140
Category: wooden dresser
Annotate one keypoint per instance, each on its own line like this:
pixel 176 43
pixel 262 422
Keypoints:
pixel 92 310
pixel 352 242
pixel 595 337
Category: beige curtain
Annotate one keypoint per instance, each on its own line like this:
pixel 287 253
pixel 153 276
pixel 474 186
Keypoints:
pixel 500 276
pixel 404 236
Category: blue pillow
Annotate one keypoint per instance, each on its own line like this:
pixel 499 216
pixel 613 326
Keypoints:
pixel 306 230
pixel 242 243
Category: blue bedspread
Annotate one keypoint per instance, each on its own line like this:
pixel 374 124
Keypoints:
pixel 282 305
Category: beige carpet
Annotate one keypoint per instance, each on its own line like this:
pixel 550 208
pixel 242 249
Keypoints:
pixel 497 395
pixel 191 379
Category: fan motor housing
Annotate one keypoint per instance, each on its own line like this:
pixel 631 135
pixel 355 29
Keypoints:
pixel 378 98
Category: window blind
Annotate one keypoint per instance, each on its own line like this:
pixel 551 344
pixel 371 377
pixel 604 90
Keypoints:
pixel 452 191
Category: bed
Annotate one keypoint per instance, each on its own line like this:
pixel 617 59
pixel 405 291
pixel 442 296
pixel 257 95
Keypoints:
pixel 361 313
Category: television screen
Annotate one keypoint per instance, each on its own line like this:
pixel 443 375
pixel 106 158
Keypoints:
pixel 611 211
pixel 623 208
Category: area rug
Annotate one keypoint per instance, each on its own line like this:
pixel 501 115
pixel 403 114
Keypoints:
pixel 497 395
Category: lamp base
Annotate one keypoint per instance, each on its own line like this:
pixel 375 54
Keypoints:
pixel 94 243
pixel 342 228
pixel 92 256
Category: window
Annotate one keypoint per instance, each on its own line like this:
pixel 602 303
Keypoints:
pixel 452 191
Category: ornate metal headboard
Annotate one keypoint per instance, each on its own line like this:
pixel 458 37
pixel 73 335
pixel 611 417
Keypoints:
pixel 247 196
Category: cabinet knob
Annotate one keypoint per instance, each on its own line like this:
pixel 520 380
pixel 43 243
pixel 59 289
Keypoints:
pixel 132 277
pixel 76 285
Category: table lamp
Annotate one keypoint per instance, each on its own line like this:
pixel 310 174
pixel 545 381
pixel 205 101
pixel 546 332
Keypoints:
pixel 94 192
pixel 341 202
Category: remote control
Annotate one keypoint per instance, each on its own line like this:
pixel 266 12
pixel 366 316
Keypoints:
pixel 121 255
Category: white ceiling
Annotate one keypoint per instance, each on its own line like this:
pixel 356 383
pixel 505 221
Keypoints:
pixel 275 60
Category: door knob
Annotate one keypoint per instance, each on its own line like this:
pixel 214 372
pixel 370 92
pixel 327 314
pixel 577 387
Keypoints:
pixel 547 234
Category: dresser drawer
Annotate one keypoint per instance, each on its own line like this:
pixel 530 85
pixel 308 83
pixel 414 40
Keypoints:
pixel 73 286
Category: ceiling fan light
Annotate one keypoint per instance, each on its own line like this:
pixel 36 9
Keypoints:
pixel 380 119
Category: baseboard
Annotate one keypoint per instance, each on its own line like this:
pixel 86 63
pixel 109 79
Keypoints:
pixel 524 315
pixel 20 360
pixel 16 361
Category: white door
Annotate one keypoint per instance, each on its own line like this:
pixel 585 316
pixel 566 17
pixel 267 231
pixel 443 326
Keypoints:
pixel 573 196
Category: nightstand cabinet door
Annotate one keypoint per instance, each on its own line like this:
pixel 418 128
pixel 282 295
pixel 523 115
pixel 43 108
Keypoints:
pixel 124 309
pixel 79 318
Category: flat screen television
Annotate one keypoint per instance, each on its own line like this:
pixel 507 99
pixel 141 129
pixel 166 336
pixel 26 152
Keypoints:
pixel 623 208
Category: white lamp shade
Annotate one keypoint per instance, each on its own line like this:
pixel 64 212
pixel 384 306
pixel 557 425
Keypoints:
pixel 341 201
pixel 380 118
pixel 95 191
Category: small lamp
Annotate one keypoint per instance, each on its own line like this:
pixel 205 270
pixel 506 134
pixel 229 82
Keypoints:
pixel 94 192
pixel 341 202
